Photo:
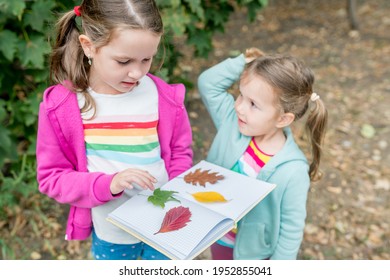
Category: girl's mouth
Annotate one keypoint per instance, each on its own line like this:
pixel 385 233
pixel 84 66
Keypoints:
pixel 241 122
pixel 130 84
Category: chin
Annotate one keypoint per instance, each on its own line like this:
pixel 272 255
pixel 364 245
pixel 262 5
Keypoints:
pixel 242 131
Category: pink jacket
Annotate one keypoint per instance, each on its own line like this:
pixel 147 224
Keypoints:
pixel 61 156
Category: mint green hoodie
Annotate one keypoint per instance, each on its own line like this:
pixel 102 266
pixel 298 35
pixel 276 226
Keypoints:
pixel 274 228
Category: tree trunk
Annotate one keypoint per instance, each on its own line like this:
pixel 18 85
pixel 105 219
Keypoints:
pixel 351 8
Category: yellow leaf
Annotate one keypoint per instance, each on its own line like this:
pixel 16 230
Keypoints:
pixel 209 197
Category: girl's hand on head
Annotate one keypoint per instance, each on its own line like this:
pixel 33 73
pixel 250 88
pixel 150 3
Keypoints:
pixel 126 178
pixel 252 53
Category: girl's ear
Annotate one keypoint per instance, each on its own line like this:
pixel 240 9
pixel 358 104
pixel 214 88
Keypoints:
pixel 87 45
pixel 285 120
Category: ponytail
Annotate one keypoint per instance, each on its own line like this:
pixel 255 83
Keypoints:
pixel 315 128
pixel 67 61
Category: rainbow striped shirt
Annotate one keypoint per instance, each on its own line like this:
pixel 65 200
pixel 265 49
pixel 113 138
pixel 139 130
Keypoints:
pixel 123 134
pixel 249 164
pixel 121 141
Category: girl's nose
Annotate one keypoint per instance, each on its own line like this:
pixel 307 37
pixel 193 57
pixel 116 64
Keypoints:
pixel 239 107
pixel 135 73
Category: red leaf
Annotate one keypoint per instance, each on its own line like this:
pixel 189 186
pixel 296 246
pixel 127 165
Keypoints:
pixel 176 218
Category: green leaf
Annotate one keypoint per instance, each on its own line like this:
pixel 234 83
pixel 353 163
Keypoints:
pixel 196 7
pixel 160 197
pixel 6 144
pixel 259 3
pixel 3 112
pixel 33 52
pixel 201 39
pixel 14 7
pixel 217 18
pixel 168 3
pixel 8 44
pixel 35 18
pixel 40 76
pixel 5 139
pixel 176 20
pixel 263 3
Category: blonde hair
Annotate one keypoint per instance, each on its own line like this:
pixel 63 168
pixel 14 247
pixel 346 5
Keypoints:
pixel 292 82
pixel 99 20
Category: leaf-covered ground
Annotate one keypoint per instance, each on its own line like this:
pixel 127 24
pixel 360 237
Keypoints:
pixel 349 210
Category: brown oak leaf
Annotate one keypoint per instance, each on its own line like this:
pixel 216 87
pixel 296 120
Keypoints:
pixel 202 177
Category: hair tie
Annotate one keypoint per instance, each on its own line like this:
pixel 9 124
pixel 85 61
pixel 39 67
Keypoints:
pixel 314 96
pixel 77 11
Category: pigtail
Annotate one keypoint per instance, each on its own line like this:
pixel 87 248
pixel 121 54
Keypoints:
pixel 315 127
pixel 67 62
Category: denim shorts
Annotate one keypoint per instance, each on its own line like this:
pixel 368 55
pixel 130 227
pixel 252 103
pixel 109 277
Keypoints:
pixel 103 250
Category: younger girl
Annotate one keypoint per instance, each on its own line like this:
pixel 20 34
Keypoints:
pixel 108 128
pixel 253 138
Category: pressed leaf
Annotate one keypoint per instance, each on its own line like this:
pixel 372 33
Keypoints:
pixel 202 177
pixel 175 219
pixel 160 197
pixel 209 197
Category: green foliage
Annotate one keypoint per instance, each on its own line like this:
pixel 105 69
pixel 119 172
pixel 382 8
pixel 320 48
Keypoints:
pixel 20 184
pixel 25 34
pixel 199 20
pixel 25 27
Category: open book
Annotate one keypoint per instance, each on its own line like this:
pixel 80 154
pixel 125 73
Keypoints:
pixel 208 221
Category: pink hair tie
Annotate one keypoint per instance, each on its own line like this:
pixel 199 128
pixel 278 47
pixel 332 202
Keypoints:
pixel 77 11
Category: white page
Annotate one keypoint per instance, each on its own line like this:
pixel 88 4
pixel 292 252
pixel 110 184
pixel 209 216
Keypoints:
pixel 215 234
pixel 146 218
pixel 240 190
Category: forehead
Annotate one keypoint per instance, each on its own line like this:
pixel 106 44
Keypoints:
pixel 254 85
pixel 133 43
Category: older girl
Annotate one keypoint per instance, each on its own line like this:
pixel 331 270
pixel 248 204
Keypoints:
pixel 107 127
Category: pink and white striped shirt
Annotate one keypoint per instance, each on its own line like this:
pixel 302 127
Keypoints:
pixel 250 164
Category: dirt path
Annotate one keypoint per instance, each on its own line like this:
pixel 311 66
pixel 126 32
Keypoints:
pixel 349 210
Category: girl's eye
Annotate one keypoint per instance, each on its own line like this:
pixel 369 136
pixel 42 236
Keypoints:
pixel 253 105
pixel 123 62
pixel 128 61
